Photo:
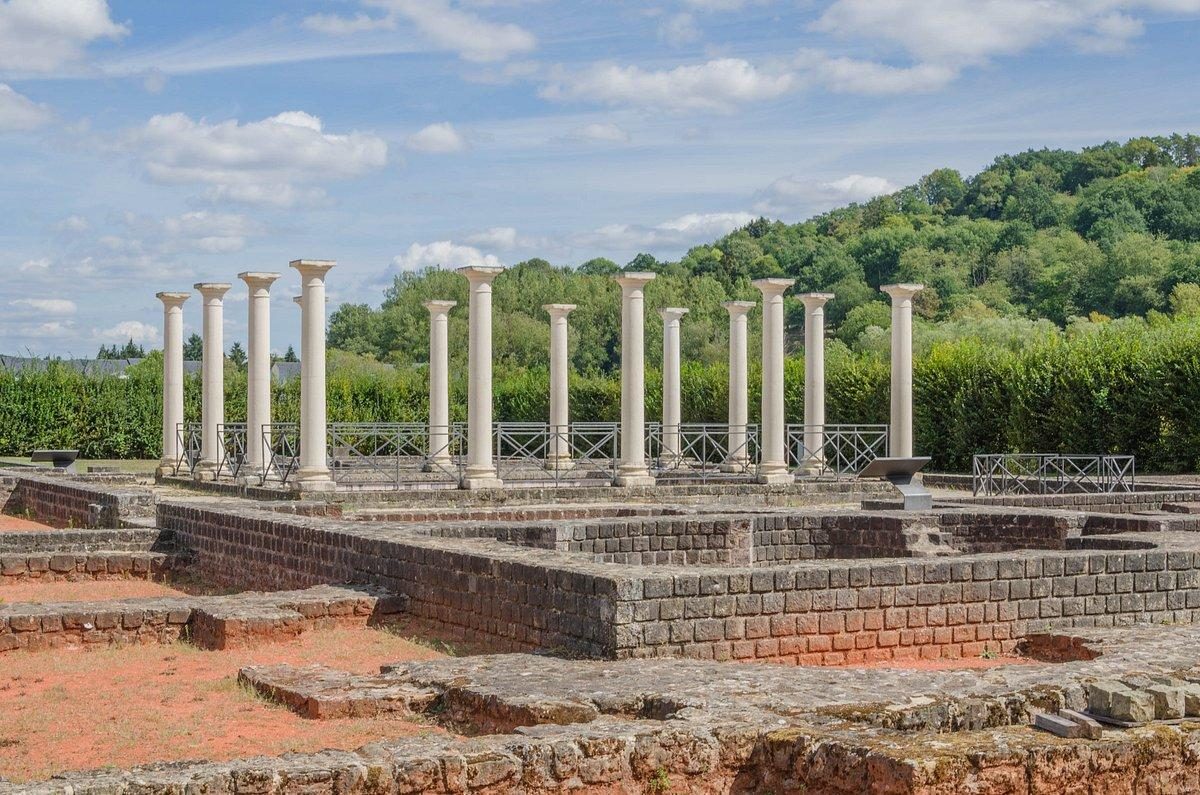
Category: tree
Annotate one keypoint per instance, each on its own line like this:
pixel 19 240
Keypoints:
pixel 290 355
pixel 237 354
pixel 129 350
pixel 193 348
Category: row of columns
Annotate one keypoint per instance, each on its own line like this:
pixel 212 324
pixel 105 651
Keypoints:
pixel 313 472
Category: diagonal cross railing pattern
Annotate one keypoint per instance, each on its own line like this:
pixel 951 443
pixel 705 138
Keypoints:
pixel 702 451
pixel 281 451
pixel 394 454
pixel 842 452
pixel 532 452
pixel 189 439
pixel 232 436
pixel 1051 473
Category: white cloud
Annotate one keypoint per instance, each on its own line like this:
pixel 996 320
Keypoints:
pixel 600 132
pixel 685 230
pixel 126 330
pixel 679 29
pixel 436 139
pixel 717 85
pixel 43 35
pixel 34 266
pixel 444 26
pixel 73 223
pixel 282 160
pixel 49 306
pixel 795 196
pixel 502 237
pixel 154 81
pixel 441 254
pixel 18 113
pixel 209 232
pixel 851 75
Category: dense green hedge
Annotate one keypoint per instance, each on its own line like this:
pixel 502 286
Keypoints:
pixel 1118 387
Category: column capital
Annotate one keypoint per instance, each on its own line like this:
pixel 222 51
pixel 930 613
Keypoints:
pixel 171 299
pixel 439 307
pixel 901 291
pixel 773 287
pixel 212 290
pixel 559 310
pixel 672 313
pixel 258 279
pixel 481 274
pixel 739 308
pixel 310 268
pixel 634 279
pixel 814 300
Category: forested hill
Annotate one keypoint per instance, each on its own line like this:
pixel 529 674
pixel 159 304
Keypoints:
pixel 1112 230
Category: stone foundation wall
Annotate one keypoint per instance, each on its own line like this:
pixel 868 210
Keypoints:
pixel 70 502
pixel 51 567
pixel 832 614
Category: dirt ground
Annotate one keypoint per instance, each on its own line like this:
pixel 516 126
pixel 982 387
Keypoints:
pixel 74 710
pixel 16 524
pixel 82 591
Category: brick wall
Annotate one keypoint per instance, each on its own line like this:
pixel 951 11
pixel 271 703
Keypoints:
pixel 71 502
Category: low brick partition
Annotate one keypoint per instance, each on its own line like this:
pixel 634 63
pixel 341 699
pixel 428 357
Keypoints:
pixel 1105 502
pixel 62 501
pixel 130 539
pixel 210 622
pixel 56 566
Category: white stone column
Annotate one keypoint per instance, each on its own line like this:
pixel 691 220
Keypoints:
pixel 481 471
pixel 773 467
pixel 900 441
pixel 172 378
pixel 559 453
pixel 814 379
pixel 213 377
pixel 313 473
pixel 739 412
pixel 439 380
pixel 258 367
pixel 632 469
pixel 671 411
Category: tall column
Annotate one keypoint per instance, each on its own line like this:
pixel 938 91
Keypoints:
pixel 439 380
pixel 773 467
pixel 212 394
pixel 739 413
pixel 632 470
pixel 560 412
pixel 258 366
pixel 481 471
pixel 901 437
pixel 172 378
pixel 814 379
pixel 313 474
pixel 671 413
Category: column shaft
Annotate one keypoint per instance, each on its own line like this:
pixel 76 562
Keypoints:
pixel 773 466
pixel 172 378
pixel 258 368
pixel 739 415
pixel 313 473
pixel 632 470
pixel 213 378
pixel 814 380
pixel 559 452
pixel 671 410
pixel 481 471
pixel 439 380
pixel 901 432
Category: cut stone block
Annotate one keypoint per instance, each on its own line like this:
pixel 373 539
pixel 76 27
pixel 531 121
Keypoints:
pixel 1089 728
pixel 1135 706
pixel 1168 702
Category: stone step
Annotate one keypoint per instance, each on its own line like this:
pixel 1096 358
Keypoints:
pixel 318 692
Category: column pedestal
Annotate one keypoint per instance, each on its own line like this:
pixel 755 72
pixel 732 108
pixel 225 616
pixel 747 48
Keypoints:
pixel 172 380
pixel 773 466
pixel 480 472
pixel 632 470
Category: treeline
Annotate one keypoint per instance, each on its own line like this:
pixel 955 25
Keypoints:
pixel 1124 386
pixel 1049 234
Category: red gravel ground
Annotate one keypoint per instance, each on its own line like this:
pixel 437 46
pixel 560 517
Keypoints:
pixel 15 524
pixel 72 710
pixel 82 591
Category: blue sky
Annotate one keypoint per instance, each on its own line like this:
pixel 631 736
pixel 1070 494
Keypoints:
pixel 147 146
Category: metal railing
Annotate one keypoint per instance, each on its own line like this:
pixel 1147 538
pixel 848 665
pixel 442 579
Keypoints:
pixel 233 439
pixel 188 438
pixel 534 452
pixel 702 451
pixel 840 451
pixel 395 453
pixel 1051 473
pixel 281 451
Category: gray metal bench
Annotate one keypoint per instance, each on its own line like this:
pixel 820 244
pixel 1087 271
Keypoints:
pixel 901 472
pixel 59 459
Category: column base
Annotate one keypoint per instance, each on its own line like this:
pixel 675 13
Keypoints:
pixel 438 464
pixel 736 467
pixel 479 478
pixel 634 477
pixel 775 475
pixel 563 464
pixel 205 470
pixel 315 480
